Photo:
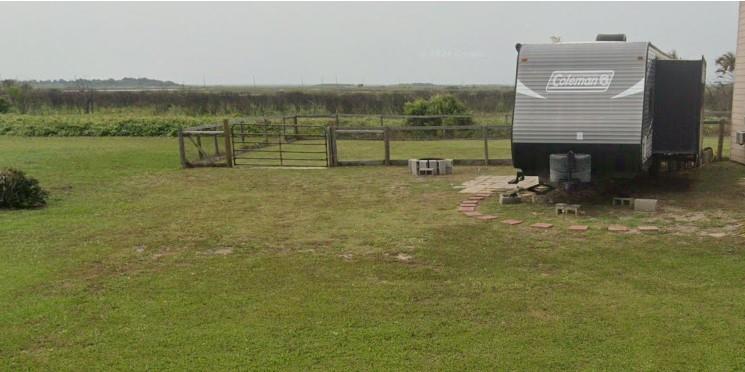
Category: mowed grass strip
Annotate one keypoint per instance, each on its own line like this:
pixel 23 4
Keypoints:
pixel 136 264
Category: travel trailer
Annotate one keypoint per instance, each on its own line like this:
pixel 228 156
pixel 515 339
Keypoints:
pixel 606 108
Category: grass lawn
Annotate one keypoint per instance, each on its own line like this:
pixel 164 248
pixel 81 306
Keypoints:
pixel 136 264
pixel 713 141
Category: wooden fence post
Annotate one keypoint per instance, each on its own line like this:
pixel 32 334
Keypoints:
pixel 720 141
pixel 182 149
pixel 228 143
pixel 485 131
pixel 217 146
pixel 381 120
pixel 331 145
pixel 387 144
pixel 266 131
pixel 283 135
pixel 199 145
pixel 334 153
pixel 328 146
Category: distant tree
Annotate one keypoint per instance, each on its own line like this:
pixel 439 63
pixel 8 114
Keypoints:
pixel 555 39
pixel 19 94
pixel 718 97
pixel 726 68
pixel 87 93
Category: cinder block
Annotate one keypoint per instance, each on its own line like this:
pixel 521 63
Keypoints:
pixel 527 197
pixel 509 198
pixel 645 205
pixel 623 201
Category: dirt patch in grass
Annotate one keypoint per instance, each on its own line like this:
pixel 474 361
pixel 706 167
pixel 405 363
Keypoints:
pixel 702 202
pixel 403 257
pixel 164 253
pixel 347 257
pixel 222 251
pixel 542 315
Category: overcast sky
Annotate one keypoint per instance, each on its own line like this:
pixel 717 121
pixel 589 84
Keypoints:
pixel 371 43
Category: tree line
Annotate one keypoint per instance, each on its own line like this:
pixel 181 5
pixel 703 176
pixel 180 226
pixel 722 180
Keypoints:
pixel 22 98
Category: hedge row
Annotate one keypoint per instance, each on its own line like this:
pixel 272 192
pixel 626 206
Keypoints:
pixel 97 125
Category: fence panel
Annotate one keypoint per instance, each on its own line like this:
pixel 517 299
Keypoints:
pixel 204 146
pixel 279 145
pixel 473 144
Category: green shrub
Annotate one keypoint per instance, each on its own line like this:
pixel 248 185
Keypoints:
pixel 20 191
pixel 4 105
pixel 438 105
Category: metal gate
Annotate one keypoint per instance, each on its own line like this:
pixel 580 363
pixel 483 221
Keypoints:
pixel 279 145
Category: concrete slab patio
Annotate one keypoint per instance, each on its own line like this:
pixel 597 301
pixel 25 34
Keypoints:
pixel 495 184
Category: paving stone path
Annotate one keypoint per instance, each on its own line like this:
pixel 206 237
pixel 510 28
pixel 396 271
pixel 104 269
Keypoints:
pixel 483 187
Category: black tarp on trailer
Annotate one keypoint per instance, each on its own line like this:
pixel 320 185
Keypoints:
pixel 678 108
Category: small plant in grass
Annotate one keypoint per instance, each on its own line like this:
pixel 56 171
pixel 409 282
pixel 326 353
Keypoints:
pixel 19 191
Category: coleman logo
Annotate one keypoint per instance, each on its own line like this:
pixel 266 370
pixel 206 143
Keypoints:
pixel 580 81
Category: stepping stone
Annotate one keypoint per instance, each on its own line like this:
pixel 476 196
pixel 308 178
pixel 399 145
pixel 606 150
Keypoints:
pixel 469 202
pixel 541 225
pixel 486 217
pixel 512 222
pixel 648 228
pixel 472 214
pixel 466 209
pixel 618 228
pixel 477 198
pixel 579 228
